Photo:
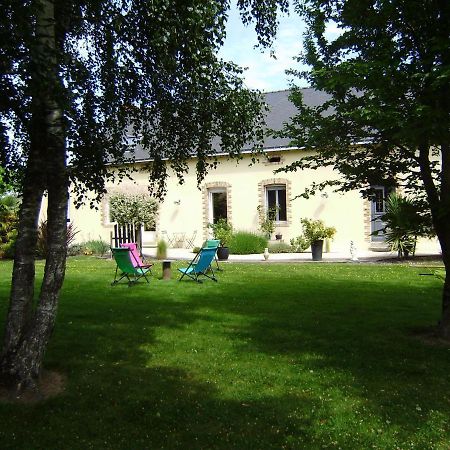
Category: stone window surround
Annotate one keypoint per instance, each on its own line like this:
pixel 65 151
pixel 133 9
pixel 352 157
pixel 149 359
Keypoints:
pixel 205 200
pixel 262 197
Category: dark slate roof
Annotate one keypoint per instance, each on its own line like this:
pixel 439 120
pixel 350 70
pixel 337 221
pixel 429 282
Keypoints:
pixel 280 111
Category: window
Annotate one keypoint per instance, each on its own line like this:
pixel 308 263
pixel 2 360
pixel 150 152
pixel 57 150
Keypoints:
pixel 276 202
pixel 217 204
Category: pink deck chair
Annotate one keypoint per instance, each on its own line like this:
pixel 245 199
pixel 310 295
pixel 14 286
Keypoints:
pixel 135 255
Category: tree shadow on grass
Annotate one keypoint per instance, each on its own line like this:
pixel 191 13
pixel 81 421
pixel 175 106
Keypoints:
pixel 326 363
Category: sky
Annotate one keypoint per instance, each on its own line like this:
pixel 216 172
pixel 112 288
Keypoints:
pixel 264 72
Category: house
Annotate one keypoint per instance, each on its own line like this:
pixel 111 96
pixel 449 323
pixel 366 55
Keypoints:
pixel 236 188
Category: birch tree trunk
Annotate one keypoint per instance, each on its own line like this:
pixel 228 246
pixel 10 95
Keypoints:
pixel 29 327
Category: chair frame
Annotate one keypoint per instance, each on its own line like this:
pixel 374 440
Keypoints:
pixel 193 274
pixel 190 240
pixel 214 243
pixel 134 274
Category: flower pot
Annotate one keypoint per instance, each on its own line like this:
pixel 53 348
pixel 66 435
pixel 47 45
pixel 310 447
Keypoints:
pixel 316 249
pixel 223 253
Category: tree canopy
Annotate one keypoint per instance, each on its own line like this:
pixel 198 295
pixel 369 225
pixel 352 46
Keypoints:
pixel 387 119
pixel 84 80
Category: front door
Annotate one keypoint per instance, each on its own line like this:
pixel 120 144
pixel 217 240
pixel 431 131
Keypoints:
pixel 378 209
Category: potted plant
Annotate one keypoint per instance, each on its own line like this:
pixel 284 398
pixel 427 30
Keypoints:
pixel 315 232
pixel 222 230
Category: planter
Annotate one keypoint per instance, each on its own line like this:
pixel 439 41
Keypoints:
pixel 223 253
pixel 316 249
pixel 278 237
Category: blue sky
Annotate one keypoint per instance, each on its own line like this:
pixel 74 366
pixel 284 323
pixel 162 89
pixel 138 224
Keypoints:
pixel 264 72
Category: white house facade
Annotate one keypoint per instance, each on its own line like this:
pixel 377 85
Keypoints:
pixel 235 189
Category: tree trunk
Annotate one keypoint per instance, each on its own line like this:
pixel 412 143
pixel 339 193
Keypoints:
pixel 444 323
pixel 28 331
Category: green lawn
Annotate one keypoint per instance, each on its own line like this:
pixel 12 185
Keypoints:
pixel 272 356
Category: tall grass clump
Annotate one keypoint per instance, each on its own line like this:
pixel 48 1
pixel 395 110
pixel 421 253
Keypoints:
pixel 161 249
pixel 246 243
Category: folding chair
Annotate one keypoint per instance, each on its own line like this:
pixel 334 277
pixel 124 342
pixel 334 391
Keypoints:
pixel 123 260
pixel 200 265
pixel 190 240
pixel 136 256
pixel 165 237
pixel 214 243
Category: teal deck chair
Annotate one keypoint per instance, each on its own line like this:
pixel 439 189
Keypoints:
pixel 213 243
pixel 200 265
pixel 132 273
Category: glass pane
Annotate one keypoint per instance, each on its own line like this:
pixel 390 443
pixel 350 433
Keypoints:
pixel 379 201
pixel 271 199
pixel 282 213
pixel 219 204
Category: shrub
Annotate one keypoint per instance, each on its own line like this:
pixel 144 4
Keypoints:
pixel 246 243
pixel 404 224
pixel 75 250
pixel 223 231
pixel 41 245
pixel 135 208
pixel 161 249
pixel 315 230
pixel 95 247
pixel 280 247
pixel 8 225
pixel 299 244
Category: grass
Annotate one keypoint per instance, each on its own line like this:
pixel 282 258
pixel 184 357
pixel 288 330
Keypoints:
pixel 272 356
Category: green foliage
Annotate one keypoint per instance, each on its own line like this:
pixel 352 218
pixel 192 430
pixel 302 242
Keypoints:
pixel 280 247
pixel 75 250
pixel 246 243
pixel 161 249
pixel 384 78
pixel 222 230
pixel 139 209
pixel 299 244
pixel 9 205
pixel 266 220
pixel 404 224
pixel 96 247
pixel 312 230
pixel 138 70
pixel 315 230
pixel 42 240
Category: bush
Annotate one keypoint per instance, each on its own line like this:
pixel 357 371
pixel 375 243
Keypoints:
pixel 75 250
pixel 161 249
pixel 280 247
pixel 299 244
pixel 95 247
pixel 246 243
pixel 41 245
pixel 223 231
